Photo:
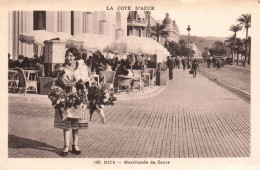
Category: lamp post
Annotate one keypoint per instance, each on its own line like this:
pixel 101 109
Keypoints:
pixel 188 29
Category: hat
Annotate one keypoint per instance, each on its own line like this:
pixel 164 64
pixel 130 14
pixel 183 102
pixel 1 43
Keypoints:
pixel 20 57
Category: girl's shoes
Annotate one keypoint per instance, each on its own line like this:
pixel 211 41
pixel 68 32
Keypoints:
pixel 65 151
pixel 76 150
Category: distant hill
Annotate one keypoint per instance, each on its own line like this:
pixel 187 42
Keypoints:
pixel 203 42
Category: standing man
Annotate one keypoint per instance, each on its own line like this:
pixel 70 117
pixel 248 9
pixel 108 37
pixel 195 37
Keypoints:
pixel 218 64
pixel 183 62
pixel 244 62
pixel 208 62
pixel 179 62
pixel 170 66
pixel 195 66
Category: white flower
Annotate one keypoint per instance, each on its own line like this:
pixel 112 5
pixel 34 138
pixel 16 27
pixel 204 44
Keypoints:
pixel 58 101
pixel 74 90
pixel 82 72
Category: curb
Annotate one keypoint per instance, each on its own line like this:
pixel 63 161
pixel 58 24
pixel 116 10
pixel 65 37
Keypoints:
pixel 245 95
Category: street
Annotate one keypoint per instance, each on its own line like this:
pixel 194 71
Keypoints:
pixel 232 77
pixel 190 118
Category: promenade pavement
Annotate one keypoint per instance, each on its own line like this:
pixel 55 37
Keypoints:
pixel 234 78
pixel 191 117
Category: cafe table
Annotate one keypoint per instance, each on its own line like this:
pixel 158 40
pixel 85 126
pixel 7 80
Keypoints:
pixel 127 81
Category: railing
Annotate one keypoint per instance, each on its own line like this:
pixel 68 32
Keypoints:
pixel 136 23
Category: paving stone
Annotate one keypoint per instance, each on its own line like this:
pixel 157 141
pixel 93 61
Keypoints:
pixel 191 117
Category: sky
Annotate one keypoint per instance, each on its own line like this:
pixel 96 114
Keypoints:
pixel 207 17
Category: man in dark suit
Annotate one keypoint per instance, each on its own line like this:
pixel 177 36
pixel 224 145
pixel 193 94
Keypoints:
pixel 170 66
pixel 20 62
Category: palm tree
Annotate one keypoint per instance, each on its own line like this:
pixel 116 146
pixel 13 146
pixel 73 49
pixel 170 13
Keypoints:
pixel 219 48
pixel 245 21
pixel 158 31
pixel 181 48
pixel 171 46
pixel 230 42
pixel 239 47
pixel 235 29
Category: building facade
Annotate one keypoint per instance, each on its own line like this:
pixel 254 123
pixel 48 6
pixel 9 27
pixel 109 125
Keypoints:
pixel 136 23
pixel 171 28
pixel 109 23
pixel 197 53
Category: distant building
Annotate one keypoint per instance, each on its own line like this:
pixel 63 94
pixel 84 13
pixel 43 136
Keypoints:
pixel 172 29
pixel 194 47
pixel 137 23
pixel 111 24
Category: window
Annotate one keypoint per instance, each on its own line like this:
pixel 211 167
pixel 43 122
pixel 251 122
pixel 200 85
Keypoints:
pixel 72 22
pixel 39 20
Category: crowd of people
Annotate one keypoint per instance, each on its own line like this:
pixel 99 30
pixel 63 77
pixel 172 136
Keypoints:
pixel 35 63
pixel 178 61
pixel 218 63
pixel 98 63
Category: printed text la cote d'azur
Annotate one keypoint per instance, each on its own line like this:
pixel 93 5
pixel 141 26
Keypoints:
pixel 129 8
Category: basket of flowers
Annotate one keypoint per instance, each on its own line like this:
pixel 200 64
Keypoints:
pixel 74 99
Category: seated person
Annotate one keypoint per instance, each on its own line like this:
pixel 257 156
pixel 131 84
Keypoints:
pixel 26 63
pixel 20 62
pixel 127 72
pixel 127 64
pixel 33 62
pixel 136 66
pixel 116 67
pixel 108 66
pixel 11 63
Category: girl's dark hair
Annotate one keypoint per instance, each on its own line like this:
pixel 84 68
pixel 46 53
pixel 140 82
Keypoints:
pixel 73 51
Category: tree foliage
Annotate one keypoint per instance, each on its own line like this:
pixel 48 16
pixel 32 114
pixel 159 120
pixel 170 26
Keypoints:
pixel 158 31
pixel 218 49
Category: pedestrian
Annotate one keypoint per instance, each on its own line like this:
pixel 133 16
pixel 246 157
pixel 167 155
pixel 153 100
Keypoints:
pixel 170 66
pixel 183 61
pixel 195 67
pixel 61 120
pixel 208 62
pixel 214 60
pixel 244 63
pixel 179 62
pixel 173 62
pixel 223 62
pixel 218 64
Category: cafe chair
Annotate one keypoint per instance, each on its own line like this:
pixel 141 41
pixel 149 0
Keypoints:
pixel 137 72
pixel 27 81
pixel 13 80
pixel 124 82
pixel 138 83
pixel 152 77
pixel 137 80
pixel 108 83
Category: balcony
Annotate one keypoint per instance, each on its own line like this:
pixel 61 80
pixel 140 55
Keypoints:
pixel 136 23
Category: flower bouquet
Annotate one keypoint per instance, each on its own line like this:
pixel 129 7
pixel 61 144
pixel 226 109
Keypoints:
pixel 69 99
pixel 99 98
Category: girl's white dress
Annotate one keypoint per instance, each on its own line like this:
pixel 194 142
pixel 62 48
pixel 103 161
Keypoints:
pixel 60 119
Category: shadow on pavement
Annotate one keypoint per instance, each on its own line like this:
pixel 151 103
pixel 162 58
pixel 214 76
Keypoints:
pixel 19 143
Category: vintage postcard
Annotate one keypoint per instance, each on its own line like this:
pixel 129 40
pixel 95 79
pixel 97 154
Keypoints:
pixel 130 85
